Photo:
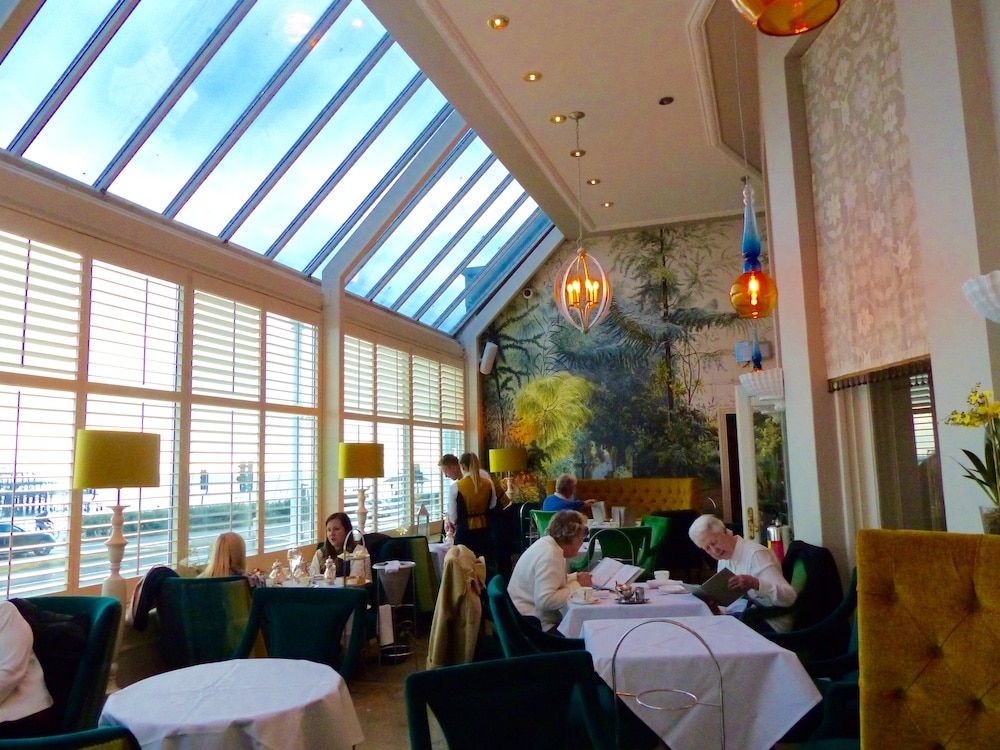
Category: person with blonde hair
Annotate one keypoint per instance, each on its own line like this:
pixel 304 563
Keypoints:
pixel 229 556
pixel 470 499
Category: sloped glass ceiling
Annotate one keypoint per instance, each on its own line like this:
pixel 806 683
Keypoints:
pixel 278 126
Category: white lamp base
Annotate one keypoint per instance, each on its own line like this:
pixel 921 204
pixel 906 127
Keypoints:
pixel 114 584
pixel 362 510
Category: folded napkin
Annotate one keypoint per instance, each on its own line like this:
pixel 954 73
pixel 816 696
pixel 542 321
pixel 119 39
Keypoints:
pixel 392 566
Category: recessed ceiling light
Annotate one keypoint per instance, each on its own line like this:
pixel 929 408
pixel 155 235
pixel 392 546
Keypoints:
pixel 667 100
pixel 577 152
pixel 497 22
pixel 532 75
pixel 557 119
pixel 593 181
pixel 608 204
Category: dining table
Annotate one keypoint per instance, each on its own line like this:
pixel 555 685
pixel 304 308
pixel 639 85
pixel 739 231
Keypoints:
pixel 665 672
pixel 605 605
pixel 268 703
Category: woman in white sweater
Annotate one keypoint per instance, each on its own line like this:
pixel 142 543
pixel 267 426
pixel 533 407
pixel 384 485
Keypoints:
pixel 540 586
pixel 24 700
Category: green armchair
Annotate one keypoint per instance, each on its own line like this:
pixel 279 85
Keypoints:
pixel 659 530
pixel 104 738
pixel 202 619
pixel 79 706
pixel 300 623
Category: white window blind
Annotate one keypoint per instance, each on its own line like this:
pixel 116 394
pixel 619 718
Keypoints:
pixel 290 480
pixel 36 468
pixel 290 368
pixel 226 356
pixel 39 308
pixel 393 382
pixel 414 397
pixel 923 416
pixel 224 445
pixel 426 389
pixel 359 376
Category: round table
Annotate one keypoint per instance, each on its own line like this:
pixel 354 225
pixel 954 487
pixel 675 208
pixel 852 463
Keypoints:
pixel 286 703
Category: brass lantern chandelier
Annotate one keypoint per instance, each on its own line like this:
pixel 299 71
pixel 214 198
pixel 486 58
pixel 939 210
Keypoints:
pixel 582 288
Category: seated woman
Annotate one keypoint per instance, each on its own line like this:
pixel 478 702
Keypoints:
pixel 25 703
pixel 229 557
pixel 338 537
pixel 756 569
pixel 539 586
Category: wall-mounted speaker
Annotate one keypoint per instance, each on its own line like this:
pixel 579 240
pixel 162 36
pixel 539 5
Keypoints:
pixel 489 357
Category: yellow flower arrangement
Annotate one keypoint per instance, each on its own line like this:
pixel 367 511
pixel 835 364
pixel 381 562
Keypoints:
pixel 984 412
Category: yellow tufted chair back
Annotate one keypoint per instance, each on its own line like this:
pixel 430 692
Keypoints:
pixel 929 639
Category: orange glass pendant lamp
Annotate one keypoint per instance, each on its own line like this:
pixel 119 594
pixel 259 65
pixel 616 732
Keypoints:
pixel 787 17
pixel 754 293
pixel 583 291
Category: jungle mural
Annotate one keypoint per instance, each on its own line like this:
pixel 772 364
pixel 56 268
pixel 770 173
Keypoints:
pixel 639 395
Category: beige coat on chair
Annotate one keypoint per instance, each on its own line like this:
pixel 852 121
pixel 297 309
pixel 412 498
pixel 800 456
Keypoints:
pixel 455 627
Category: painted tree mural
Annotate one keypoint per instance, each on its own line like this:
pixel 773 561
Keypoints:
pixel 646 410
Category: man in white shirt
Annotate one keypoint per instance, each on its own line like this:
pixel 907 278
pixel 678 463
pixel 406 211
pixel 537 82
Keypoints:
pixel 22 686
pixel 756 569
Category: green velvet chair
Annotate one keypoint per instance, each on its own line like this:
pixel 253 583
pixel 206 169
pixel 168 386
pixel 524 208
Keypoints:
pixel 202 619
pixel 524 702
pixel 518 638
pixel 659 529
pixel 302 623
pixel 628 544
pixel 81 706
pixel 104 738
pixel 541 520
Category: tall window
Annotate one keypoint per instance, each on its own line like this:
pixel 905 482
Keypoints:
pixel 87 344
pixel 415 407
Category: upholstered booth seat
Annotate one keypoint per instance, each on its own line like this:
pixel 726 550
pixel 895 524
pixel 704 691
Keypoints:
pixel 929 639
pixel 640 496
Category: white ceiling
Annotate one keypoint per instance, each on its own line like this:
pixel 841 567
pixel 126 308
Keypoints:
pixel 614 61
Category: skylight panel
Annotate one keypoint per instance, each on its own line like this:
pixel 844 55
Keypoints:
pixel 233 81
pixel 60 28
pixel 310 93
pixel 455 222
pixel 440 301
pixel 450 181
pixel 308 175
pixel 122 85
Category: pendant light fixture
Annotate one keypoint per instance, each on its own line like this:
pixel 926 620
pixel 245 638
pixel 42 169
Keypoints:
pixel 582 288
pixel 786 17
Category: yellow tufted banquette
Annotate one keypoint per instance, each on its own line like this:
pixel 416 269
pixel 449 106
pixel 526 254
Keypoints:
pixel 929 639
pixel 640 496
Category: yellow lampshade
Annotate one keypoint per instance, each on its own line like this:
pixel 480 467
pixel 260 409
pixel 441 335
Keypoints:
pixel 508 459
pixel 787 17
pixel 361 460
pixel 109 458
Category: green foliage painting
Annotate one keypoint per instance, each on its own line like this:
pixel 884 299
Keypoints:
pixel 639 394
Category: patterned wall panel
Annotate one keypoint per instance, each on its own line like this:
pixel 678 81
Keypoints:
pixel 871 293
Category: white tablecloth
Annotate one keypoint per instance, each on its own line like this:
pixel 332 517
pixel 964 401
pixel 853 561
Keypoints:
pixel 606 608
pixel 261 703
pixel 765 688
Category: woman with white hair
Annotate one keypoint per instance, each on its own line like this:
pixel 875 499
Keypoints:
pixel 539 586
pixel 755 568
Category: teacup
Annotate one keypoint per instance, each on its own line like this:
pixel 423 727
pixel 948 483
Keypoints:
pixel 661 575
pixel 583 594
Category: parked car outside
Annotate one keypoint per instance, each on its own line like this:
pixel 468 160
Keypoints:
pixel 39 542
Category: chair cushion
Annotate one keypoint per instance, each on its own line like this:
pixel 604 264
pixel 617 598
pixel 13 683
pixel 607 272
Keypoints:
pixel 60 644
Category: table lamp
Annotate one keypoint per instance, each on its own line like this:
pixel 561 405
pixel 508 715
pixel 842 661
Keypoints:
pixel 109 458
pixel 508 461
pixel 362 461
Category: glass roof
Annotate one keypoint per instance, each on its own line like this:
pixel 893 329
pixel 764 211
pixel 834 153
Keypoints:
pixel 277 126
